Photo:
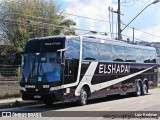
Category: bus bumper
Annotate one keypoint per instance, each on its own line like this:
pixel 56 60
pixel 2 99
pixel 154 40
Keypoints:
pixel 53 96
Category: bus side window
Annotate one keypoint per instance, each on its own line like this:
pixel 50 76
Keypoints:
pixel 89 51
pixel 152 56
pixel 105 52
pixel 146 56
pixel 129 54
pixel 138 55
pixel 73 49
pixel 118 53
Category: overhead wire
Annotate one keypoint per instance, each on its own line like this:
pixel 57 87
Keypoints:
pixel 142 31
pixel 50 26
pixel 81 17
pixel 129 5
pixel 132 37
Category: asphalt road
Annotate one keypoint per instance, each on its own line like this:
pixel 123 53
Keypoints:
pixel 125 104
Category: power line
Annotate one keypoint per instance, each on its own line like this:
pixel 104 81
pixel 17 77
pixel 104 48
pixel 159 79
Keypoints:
pixel 56 26
pixel 86 17
pixel 132 37
pixel 124 1
pixel 81 17
pixel 47 27
pixel 143 31
pixel 129 5
pixel 147 33
pixel 100 20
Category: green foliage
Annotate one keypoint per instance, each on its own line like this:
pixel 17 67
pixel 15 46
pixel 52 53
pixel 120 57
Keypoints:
pixel 5 54
pixel 24 19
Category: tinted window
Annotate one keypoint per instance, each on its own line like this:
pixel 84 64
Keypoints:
pixel 129 54
pixel 139 55
pixel 73 48
pixel 105 52
pixel 89 51
pixel 152 56
pixel 118 53
pixel 146 56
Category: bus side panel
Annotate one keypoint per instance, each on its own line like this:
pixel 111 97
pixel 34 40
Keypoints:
pixel 103 74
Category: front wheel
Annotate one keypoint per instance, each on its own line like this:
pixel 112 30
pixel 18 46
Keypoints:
pixel 83 97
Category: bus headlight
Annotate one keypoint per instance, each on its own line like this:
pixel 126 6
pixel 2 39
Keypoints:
pixel 54 88
pixel 23 88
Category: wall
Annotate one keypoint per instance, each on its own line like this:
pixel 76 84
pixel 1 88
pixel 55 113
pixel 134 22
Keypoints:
pixel 9 89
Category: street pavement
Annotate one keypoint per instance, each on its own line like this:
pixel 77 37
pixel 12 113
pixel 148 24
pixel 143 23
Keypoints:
pixel 97 107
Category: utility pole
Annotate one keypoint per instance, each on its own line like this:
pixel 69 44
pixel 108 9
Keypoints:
pixel 133 34
pixel 119 20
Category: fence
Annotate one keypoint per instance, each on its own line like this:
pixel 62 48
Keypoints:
pixel 9 81
pixel 9 73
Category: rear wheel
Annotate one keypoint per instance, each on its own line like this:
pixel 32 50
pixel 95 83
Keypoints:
pixel 144 89
pixel 83 96
pixel 138 89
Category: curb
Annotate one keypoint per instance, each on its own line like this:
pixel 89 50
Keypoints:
pixel 18 104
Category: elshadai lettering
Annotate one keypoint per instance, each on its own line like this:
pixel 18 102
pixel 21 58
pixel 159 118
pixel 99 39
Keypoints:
pixel 113 68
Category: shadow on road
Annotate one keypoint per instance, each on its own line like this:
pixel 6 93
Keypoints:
pixel 63 105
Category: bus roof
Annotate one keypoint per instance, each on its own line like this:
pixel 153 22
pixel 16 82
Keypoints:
pixel 47 37
pixel 103 39
pixel 99 39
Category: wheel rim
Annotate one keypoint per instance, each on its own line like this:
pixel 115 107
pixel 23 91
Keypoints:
pixel 84 96
pixel 144 89
pixel 138 89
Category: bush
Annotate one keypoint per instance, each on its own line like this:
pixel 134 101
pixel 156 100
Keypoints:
pixel 5 54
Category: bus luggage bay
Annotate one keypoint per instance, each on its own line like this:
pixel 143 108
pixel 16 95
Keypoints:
pixel 60 68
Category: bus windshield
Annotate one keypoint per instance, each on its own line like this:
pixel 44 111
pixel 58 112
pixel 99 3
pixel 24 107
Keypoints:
pixel 39 60
pixel 43 65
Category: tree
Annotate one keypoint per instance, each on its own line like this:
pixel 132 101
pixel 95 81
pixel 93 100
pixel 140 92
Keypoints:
pixel 24 19
pixel 5 54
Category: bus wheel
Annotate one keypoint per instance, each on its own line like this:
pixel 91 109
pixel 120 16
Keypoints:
pixel 144 89
pixel 138 89
pixel 83 97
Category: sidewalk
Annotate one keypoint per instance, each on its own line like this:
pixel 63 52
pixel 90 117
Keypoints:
pixel 16 102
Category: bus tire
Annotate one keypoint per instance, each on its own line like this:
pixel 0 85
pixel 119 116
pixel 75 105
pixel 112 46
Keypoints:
pixel 83 97
pixel 138 91
pixel 144 89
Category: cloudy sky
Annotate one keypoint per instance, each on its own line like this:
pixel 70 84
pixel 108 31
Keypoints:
pixel 147 22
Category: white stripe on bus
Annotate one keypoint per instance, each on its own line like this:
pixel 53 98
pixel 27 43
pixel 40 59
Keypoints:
pixel 89 75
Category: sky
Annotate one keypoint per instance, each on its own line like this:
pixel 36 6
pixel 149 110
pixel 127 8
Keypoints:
pixel 147 22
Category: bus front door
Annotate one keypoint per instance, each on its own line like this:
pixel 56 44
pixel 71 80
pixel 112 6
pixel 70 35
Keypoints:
pixel 68 71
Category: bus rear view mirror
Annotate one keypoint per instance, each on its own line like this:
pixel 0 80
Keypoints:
pixel 16 58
